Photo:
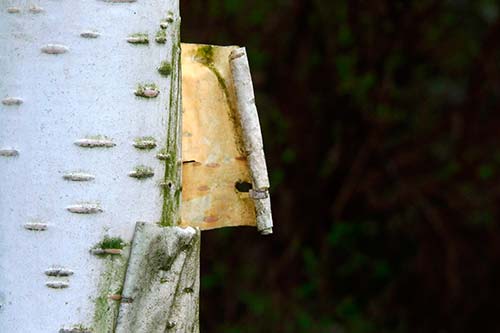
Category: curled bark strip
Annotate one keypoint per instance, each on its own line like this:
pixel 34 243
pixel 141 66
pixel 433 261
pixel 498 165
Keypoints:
pixel 252 137
pixel 259 194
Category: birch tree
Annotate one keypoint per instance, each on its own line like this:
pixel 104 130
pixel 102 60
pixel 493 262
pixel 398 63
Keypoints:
pixel 86 109
pixel 91 238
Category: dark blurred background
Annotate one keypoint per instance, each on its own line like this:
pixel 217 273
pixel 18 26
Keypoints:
pixel 381 126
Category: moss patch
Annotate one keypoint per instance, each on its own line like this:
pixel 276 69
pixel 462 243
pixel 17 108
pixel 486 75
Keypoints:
pixel 79 328
pixel 111 243
pixel 205 54
pixel 111 279
pixel 161 36
pixel 165 68
pixel 163 154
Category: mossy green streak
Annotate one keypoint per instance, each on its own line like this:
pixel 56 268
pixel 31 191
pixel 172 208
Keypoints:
pixel 172 178
pixel 111 280
pixel 205 55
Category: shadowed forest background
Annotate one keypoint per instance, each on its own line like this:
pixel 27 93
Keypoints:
pixel 381 127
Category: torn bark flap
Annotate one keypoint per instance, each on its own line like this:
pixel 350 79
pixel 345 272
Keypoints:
pixel 162 282
pixel 222 142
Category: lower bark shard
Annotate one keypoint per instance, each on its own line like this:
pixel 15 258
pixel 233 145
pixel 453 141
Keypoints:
pixel 164 263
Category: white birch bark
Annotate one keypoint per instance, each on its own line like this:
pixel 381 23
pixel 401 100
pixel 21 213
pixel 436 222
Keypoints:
pixel 71 111
pixel 252 138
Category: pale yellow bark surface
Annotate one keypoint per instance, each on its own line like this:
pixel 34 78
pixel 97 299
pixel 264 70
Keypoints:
pixel 212 149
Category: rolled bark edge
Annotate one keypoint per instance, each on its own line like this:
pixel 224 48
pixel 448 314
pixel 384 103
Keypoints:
pixel 252 136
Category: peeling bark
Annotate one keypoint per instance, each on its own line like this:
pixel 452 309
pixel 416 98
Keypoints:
pixel 162 282
pixel 252 137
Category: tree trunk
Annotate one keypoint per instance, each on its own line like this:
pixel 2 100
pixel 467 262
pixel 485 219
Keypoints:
pixel 89 145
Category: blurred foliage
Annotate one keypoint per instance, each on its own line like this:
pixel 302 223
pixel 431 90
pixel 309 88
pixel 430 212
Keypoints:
pixel 381 128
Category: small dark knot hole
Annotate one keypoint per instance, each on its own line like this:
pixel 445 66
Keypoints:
pixel 242 186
